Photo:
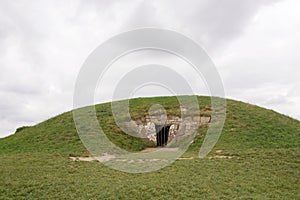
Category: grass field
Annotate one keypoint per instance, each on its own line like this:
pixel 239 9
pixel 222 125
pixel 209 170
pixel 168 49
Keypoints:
pixel 265 146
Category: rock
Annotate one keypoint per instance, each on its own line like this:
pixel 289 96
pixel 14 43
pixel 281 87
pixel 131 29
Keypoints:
pixel 150 131
pixel 205 120
pixel 197 119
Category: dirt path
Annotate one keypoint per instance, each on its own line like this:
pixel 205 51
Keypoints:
pixel 107 157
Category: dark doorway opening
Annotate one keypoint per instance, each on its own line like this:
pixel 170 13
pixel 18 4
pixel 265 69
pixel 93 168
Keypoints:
pixel 162 135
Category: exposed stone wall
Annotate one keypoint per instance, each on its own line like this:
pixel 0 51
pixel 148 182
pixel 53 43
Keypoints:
pixel 145 126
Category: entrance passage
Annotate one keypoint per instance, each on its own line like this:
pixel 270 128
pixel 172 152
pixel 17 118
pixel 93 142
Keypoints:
pixel 162 135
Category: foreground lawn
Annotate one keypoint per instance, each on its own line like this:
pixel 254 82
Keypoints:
pixel 251 175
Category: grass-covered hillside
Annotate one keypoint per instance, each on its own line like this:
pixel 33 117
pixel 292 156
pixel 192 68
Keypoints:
pixel 256 157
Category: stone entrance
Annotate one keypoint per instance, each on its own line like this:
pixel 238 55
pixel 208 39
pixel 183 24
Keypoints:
pixel 163 132
pixel 162 135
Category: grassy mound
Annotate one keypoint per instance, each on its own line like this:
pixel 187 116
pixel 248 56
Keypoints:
pixel 265 146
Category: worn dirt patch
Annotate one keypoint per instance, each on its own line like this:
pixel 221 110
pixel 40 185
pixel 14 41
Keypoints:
pixel 161 149
pixel 87 159
pixel 219 151
pixel 189 158
pixel 105 157
pixel 221 156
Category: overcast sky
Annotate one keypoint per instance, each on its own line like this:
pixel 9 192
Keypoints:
pixel 254 44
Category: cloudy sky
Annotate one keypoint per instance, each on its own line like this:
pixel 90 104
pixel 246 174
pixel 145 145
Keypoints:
pixel 254 44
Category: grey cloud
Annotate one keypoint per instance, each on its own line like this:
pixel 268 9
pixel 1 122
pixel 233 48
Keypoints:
pixel 23 29
pixel 278 100
pixel 44 43
pixel 213 23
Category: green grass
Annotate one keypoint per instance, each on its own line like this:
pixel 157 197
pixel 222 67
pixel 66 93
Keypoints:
pixel 35 161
